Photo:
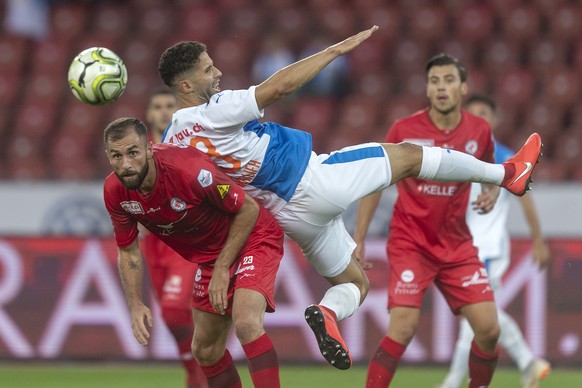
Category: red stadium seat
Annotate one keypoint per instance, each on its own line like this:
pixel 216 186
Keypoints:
pixel 313 115
pixel 561 86
pixel 478 81
pixel 385 16
pixel 499 55
pixel 544 117
pixel 245 23
pixel 568 147
pixel 546 54
pixel 10 85
pixel 292 25
pixel 409 57
pixel 428 23
pixel 44 87
pixel 369 57
pixel 374 83
pixel 52 56
pixel 81 118
pixel 36 118
pixel 475 22
pixel 231 54
pixel 26 158
pixel 68 20
pixel 565 23
pixel 360 113
pixel 464 51
pixel 13 51
pixel 337 22
pixel 551 171
pixel 154 22
pixel 199 23
pixel 397 108
pixel 111 21
pixel 514 87
pixel 414 85
pixel 522 24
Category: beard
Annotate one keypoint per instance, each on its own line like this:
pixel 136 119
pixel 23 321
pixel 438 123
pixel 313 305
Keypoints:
pixel 134 181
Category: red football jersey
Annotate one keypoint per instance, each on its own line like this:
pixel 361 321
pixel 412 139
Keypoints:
pixel 431 214
pixel 190 207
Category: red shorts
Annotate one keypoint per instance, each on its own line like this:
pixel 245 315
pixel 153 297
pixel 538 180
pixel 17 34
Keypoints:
pixel 255 269
pixel 412 271
pixel 172 276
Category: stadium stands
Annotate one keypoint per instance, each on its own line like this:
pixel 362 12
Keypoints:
pixel 527 54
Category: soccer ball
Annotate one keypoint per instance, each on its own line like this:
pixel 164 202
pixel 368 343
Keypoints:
pixel 97 76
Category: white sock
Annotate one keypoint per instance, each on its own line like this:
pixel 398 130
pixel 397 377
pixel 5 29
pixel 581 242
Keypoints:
pixel 445 165
pixel 460 361
pixel 513 342
pixel 343 300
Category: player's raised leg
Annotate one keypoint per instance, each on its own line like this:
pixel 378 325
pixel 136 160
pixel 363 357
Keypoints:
pixel 440 164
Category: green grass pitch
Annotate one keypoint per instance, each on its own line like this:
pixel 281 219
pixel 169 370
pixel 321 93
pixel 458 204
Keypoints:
pixel 168 375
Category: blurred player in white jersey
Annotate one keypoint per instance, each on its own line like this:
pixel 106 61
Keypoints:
pixel 491 237
pixel 308 192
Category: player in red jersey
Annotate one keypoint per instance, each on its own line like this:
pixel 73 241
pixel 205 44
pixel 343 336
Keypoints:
pixel 183 198
pixel 429 239
pixel 172 277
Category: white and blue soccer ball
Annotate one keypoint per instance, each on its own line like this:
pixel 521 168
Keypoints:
pixel 97 76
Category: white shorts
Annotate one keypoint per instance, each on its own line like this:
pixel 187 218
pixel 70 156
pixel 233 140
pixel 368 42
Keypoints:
pixel 330 184
pixel 497 266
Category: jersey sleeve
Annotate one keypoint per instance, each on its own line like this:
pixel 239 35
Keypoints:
pixel 124 226
pixel 230 108
pixel 392 135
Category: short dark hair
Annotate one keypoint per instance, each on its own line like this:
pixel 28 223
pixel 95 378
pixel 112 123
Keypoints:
pixel 160 92
pixel 443 59
pixel 482 98
pixel 119 128
pixel 178 59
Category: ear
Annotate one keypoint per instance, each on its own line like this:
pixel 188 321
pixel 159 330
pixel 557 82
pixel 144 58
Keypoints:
pixel 464 89
pixel 185 86
pixel 149 150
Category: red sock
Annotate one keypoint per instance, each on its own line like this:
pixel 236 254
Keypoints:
pixel 384 363
pixel 481 366
pixel 263 362
pixel 223 373
pixel 180 324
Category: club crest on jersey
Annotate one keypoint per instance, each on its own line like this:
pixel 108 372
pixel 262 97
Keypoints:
pixel 223 190
pixel 177 204
pixel 205 178
pixel 198 275
pixel 407 276
pixel 471 147
pixel 132 207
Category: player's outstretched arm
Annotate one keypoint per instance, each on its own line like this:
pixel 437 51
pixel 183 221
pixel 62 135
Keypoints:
pixel 130 265
pixel 368 206
pixel 292 77
pixel 540 251
pixel 242 225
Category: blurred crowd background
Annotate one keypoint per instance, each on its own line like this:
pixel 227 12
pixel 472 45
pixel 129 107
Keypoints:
pixel 526 54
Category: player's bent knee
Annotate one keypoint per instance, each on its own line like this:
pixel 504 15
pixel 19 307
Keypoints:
pixel 247 328
pixel 405 159
pixel 206 354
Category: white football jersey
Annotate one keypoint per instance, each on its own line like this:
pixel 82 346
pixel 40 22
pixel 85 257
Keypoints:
pixel 267 159
pixel 490 234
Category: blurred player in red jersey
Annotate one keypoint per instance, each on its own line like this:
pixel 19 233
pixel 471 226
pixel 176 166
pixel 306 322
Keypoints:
pixel 182 197
pixel 429 239
pixel 172 277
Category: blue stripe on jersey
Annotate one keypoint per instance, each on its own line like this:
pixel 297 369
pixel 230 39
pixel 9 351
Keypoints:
pixel 353 155
pixel 285 160
pixel 166 132
pixel 502 153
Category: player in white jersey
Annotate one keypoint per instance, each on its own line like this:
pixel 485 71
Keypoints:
pixel 308 192
pixel 491 237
